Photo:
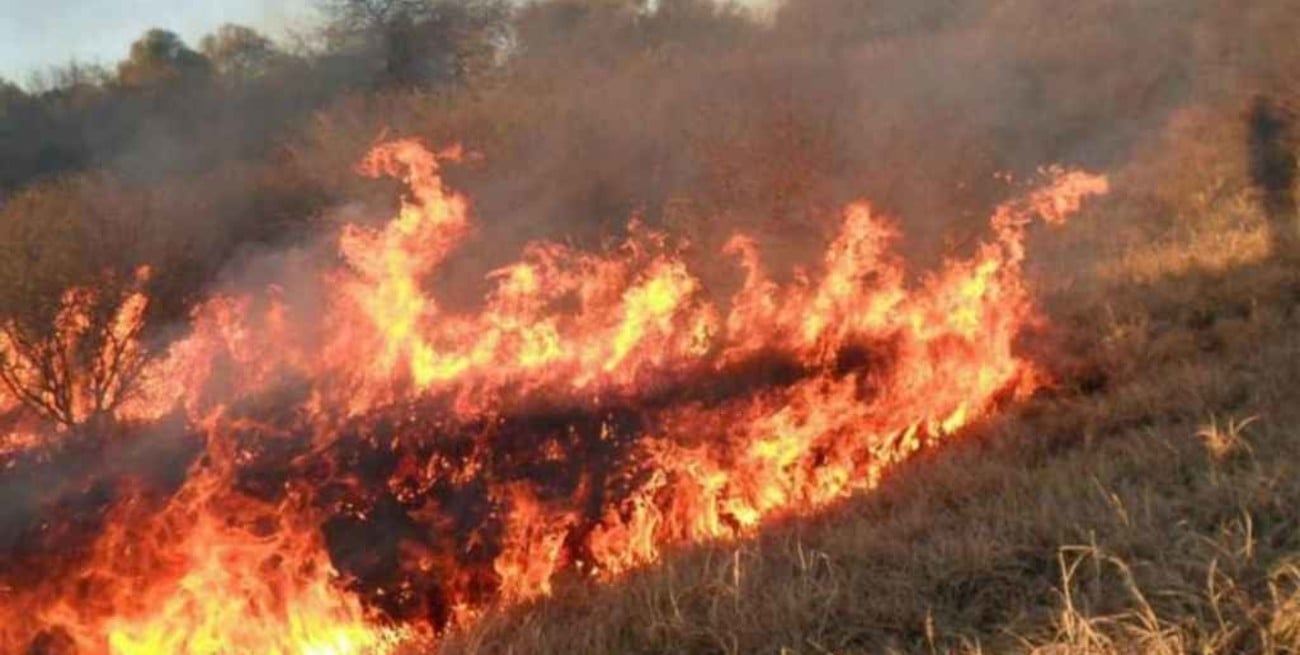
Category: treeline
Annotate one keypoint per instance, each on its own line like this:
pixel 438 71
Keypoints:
pixel 699 115
pixel 235 90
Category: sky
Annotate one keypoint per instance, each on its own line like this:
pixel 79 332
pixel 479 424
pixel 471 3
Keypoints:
pixel 38 34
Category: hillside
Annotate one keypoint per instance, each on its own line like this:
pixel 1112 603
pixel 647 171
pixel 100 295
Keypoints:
pixel 647 326
pixel 1146 503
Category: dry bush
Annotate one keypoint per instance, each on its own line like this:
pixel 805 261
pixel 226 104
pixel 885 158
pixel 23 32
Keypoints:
pixel 99 272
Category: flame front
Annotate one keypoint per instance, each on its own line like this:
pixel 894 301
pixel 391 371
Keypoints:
pixel 419 465
pixel 227 589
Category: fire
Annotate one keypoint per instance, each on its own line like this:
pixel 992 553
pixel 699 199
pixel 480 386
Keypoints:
pixel 376 467
pixel 229 588
pixel 87 365
pixel 226 592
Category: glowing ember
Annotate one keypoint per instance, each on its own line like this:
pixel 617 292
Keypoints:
pixel 375 467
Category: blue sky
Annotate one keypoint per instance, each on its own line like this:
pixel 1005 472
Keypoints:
pixel 38 34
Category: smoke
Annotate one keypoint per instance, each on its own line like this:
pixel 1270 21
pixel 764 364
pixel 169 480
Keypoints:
pixel 698 119
pixel 708 120
pixel 703 118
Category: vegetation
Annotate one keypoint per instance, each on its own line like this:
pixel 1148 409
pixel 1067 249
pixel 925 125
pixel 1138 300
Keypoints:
pixel 1146 503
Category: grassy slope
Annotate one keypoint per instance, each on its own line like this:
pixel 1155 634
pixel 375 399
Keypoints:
pixel 1150 504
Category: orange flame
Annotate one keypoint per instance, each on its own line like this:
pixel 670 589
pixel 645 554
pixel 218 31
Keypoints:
pixel 880 367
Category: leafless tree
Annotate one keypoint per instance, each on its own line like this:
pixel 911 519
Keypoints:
pixel 73 307
pixel 81 368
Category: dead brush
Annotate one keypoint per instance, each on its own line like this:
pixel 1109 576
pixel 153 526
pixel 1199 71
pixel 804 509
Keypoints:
pixel 1078 631
pixel 1227 441
pixel 1284 625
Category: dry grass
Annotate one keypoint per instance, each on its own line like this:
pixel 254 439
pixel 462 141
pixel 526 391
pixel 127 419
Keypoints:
pixel 1146 505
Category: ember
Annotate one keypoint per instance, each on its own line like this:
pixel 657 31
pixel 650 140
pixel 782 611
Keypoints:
pixel 374 468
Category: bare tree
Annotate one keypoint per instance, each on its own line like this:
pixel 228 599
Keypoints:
pixel 74 307
pixel 83 366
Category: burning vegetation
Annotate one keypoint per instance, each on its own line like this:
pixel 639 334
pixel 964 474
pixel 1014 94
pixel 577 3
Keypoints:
pixel 367 468
pixel 635 368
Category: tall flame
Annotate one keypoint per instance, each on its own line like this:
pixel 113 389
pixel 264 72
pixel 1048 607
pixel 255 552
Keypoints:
pixel 599 409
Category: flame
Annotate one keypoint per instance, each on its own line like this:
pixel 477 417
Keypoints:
pixel 212 572
pixel 598 410
pixel 87 364
pixel 232 590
